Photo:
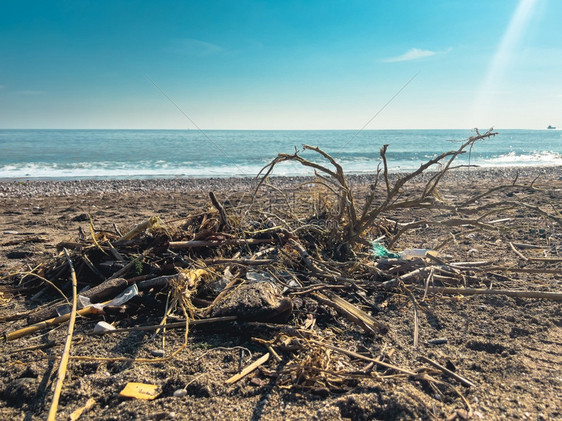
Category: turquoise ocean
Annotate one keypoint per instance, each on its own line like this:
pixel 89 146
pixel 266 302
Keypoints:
pixel 119 154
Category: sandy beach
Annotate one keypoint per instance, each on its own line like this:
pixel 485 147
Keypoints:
pixel 509 347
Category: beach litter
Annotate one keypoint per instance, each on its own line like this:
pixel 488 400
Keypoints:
pixel 287 286
pixel 140 391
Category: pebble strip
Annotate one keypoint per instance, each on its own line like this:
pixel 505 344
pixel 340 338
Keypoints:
pixel 46 188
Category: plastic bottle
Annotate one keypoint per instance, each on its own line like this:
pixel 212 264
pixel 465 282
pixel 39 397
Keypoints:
pixel 413 253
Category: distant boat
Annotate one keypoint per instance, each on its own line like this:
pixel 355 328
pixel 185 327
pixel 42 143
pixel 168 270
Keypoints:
pixel 551 127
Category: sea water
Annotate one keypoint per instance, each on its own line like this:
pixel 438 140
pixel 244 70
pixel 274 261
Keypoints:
pixel 77 154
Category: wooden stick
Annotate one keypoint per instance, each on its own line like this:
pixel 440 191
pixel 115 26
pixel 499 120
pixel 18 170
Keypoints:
pixel 220 208
pixel 94 269
pixel 260 361
pixel 28 330
pixel 178 245
pixel 527 246
pixel 159 281
pixel 351 312
pixel 555 296
pixel 49 344
pixel 149 223
pixel 517 252
pixel 78 412
pixel 245 262
pixel 66 352
pixel 448 372
pixel 172 325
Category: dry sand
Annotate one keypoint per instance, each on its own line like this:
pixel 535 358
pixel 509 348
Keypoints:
pixel 509 347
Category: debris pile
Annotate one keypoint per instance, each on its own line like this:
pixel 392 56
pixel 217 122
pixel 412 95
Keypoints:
pixel 284 278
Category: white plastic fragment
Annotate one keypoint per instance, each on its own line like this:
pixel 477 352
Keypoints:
pixel 102 327
pixel 413 253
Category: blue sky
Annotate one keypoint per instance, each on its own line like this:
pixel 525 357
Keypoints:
pixel 280 64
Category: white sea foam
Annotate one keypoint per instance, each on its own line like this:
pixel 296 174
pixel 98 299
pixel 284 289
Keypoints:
pixel 110 170
pixel 533 159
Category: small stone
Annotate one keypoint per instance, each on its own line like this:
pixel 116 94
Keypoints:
pixel 437 341
pixel 158 353
pixel 180 393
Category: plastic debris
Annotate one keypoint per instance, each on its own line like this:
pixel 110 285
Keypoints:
pixel 84 302
pixel 409 254
pixel 140 391
pixel 413 254
pixel 259 277
pixel 65 308
pixel 381 251
pixel 102 327
pixel 122 298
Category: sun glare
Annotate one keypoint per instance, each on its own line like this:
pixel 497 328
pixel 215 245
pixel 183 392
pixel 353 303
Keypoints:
pixel 483 111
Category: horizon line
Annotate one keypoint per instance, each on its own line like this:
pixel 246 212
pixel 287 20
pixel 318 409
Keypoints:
pixel 301 130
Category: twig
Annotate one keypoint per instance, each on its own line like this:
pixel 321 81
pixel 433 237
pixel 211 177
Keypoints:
pixel 149 223
pixel 76 414
pixel 260 361
pixel 555 296
pixel 527 246
pixel 220 208
pixel 179 245
pixel 172 325
pixel 448 372
pixel 49 344
pixel 28 330
pixel 243 262
pixel 94 269
pixel 517 252
pixel 66 352
pixel 352 313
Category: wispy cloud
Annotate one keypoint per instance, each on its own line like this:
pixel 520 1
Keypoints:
pixel 29 92
pixel 189 46
pixel 414 54
pixel 1 86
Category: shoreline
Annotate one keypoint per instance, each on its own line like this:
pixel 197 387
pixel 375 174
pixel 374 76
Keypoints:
pixel 56 187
